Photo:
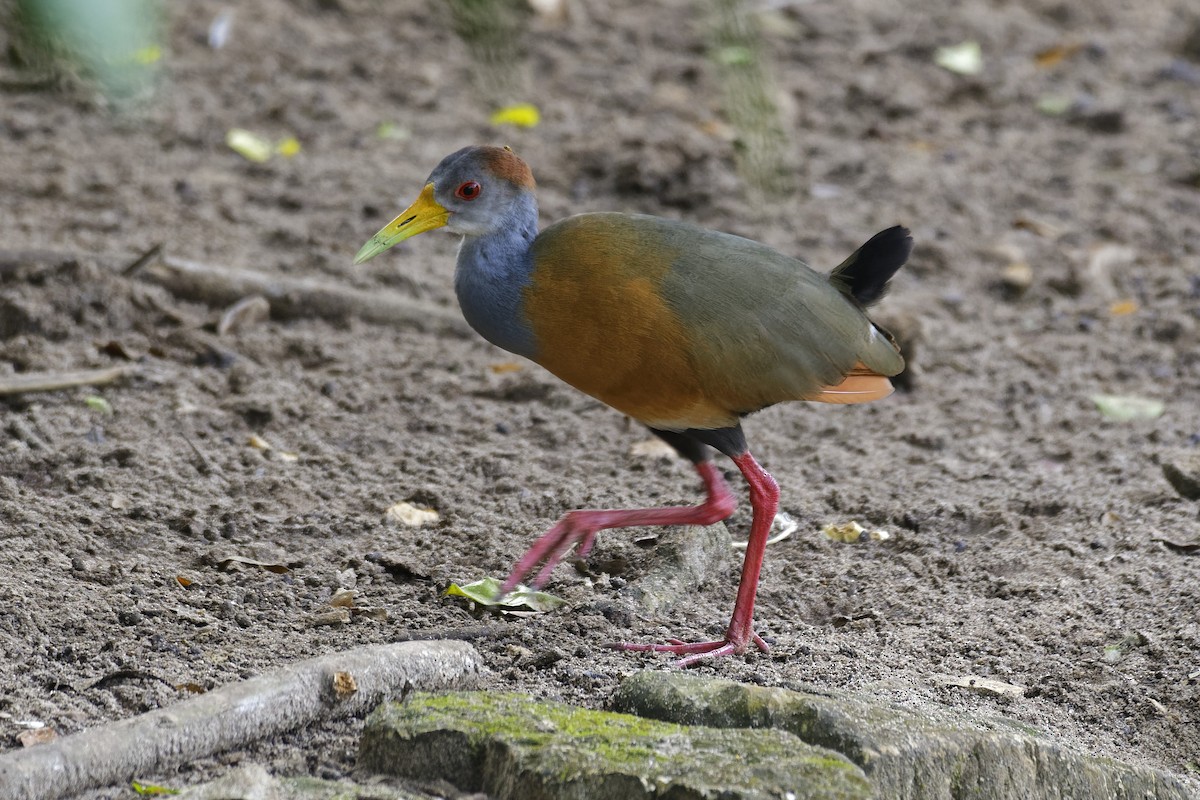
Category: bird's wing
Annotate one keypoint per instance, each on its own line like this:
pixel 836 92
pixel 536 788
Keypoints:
pixel 680 326
pixel 767 328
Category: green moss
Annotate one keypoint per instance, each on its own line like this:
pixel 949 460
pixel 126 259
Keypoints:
pixel 566 745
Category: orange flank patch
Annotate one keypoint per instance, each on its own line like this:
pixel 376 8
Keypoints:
pixel 602 325
pixel 862 385
pixel 505 164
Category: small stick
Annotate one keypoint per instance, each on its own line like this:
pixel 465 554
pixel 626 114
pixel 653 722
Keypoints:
pixel 295 696
pixel 53 381
pixel 292 297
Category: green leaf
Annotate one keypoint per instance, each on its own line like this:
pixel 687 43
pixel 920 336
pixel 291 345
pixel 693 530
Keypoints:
pixel 248 145
pixel 98 403
pixel 1125 408
pixel 486 592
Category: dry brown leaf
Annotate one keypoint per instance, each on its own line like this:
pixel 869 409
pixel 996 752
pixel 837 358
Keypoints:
pixel 1053 56
pixel 343 598
pixel 36 736
pixel 344 685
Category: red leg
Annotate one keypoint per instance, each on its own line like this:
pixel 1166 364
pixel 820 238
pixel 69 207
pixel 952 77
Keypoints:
pixel 580 527
pixel 764 498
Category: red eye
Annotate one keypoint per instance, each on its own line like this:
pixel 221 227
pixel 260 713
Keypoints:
pixel 468 191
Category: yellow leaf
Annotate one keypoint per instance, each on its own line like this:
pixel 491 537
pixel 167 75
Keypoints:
pixel 288 147
pixel 1123 308
pixel 504 367
pixel 523 115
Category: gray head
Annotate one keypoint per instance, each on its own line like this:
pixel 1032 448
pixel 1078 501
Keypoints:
pixel 473 191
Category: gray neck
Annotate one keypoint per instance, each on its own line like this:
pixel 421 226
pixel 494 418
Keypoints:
pixel 491 275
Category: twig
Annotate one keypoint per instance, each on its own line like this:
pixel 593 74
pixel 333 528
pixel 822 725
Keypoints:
pixel 329 686
pixel 135 266
pixel 53 381
pixel 292 297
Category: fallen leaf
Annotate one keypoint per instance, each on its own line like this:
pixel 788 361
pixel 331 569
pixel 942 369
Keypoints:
pixel 192 688
pixel 36 736
pixel 982 685
pixel 652 448
pixel 852 533
pixel 343 598
pixel 248 145
pixel 344 685
pixel 965 58
pixel 1037 226
pixel 1054 105
pixel 787 526
pixel 523 115
pixel 237 561
pixel 390 130
pixel 1124 408
pixel 486 592
pixel 1123 308
pixel 150 788
pixel 183 581
pixel 505 367
pixel 408 514
pixel 97 403
pixel 288 146
pixel 1053 56
pixel 332 617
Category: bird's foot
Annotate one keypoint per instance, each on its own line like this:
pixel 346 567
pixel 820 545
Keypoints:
pixel 575 529
pixel 694 652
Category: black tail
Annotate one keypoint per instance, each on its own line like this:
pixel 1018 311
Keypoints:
pixel 865 274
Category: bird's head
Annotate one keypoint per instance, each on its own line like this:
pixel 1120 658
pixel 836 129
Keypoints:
pixel 471 192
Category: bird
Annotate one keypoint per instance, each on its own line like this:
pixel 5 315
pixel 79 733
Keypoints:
pixel 684 329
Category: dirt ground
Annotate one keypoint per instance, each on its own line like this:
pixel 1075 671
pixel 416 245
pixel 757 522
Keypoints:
pixel 1029 532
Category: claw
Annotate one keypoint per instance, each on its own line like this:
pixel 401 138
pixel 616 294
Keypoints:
pixel 693 652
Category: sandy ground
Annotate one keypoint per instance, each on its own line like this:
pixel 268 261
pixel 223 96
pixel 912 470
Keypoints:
pixel 1027 529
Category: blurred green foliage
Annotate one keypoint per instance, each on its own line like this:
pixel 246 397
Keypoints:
pixel 116 43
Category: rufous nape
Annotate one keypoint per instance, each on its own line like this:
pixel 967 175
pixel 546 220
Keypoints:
pixel 684 329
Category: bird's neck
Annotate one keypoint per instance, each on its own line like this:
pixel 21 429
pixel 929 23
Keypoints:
pixel 492 272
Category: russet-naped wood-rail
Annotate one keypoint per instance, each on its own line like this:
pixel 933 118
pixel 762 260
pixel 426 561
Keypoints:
pixel 684 329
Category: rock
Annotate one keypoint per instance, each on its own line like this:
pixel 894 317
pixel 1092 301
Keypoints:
pixel 904 754
pixel 1182 469
pixel 1016 278
pixel 509 745
pixel 686 561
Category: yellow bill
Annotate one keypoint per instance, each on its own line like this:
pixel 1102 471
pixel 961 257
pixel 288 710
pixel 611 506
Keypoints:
pixel 423 215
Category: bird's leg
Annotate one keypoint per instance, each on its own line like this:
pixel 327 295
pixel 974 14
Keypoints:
pixel 580 527
pixel 764 499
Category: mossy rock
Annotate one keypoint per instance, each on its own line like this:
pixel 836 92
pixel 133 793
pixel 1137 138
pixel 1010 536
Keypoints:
pixel 512 746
